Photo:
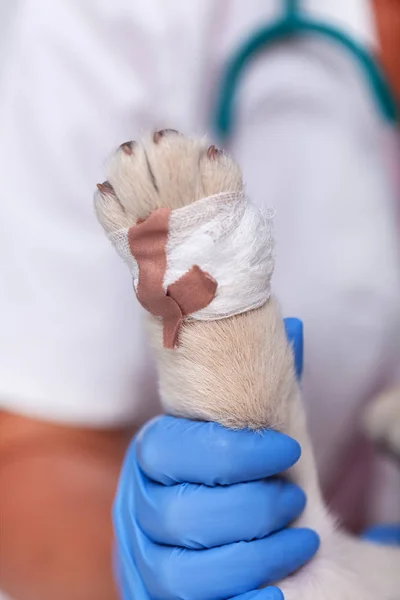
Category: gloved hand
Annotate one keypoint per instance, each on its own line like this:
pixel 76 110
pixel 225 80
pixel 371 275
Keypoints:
pixel 200 515
pixel 386 534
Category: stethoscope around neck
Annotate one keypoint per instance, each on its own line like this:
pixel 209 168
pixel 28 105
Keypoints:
pixel 294 22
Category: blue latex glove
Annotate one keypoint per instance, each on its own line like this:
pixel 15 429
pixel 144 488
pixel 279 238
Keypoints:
pixel 294 332
pixel 384 534
pixel 200 515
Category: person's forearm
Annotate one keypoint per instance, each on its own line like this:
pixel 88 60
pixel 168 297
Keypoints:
pixel 387 17
pixel 56 489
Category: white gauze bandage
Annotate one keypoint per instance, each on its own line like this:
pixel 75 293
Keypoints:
pixel 229 238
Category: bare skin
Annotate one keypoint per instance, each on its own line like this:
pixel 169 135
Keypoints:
pixel 387 17
pixel 56 489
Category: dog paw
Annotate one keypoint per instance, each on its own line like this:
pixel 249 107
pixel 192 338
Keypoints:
pixel 165 169
pixel 326 579
pixel 382 421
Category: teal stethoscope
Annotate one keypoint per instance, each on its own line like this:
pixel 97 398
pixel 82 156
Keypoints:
pixel 294 22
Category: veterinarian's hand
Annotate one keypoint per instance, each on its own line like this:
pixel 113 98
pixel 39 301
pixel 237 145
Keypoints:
pixel 198 513
pixel 294 334
pixel 386 534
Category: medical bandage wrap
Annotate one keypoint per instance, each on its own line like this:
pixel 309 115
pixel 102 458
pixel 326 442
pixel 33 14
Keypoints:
pixel 220 249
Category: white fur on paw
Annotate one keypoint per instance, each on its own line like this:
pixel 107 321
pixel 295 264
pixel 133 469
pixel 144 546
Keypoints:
pixel 165 169
pixel 382 421
pixel 347 569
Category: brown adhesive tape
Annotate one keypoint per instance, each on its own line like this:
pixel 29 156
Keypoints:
pixel 192 292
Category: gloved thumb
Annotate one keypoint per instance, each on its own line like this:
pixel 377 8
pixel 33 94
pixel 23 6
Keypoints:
pixel 269 593
pixel 294 333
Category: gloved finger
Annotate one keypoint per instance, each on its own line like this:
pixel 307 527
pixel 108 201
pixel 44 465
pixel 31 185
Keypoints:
pixel 129 581
pixel 388 534
pixel 127 578
pixel 269 593
pixel 172 450
pixel 147 570
pixel 130 586
pixel 126 574
pixel 294 333
pixel 170 573
pixel 196 516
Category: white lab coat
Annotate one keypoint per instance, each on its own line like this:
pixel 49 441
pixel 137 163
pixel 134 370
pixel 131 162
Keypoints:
pixel 82 77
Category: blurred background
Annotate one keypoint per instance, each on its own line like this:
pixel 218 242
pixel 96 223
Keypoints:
pixel 312 118
pixel 7 13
